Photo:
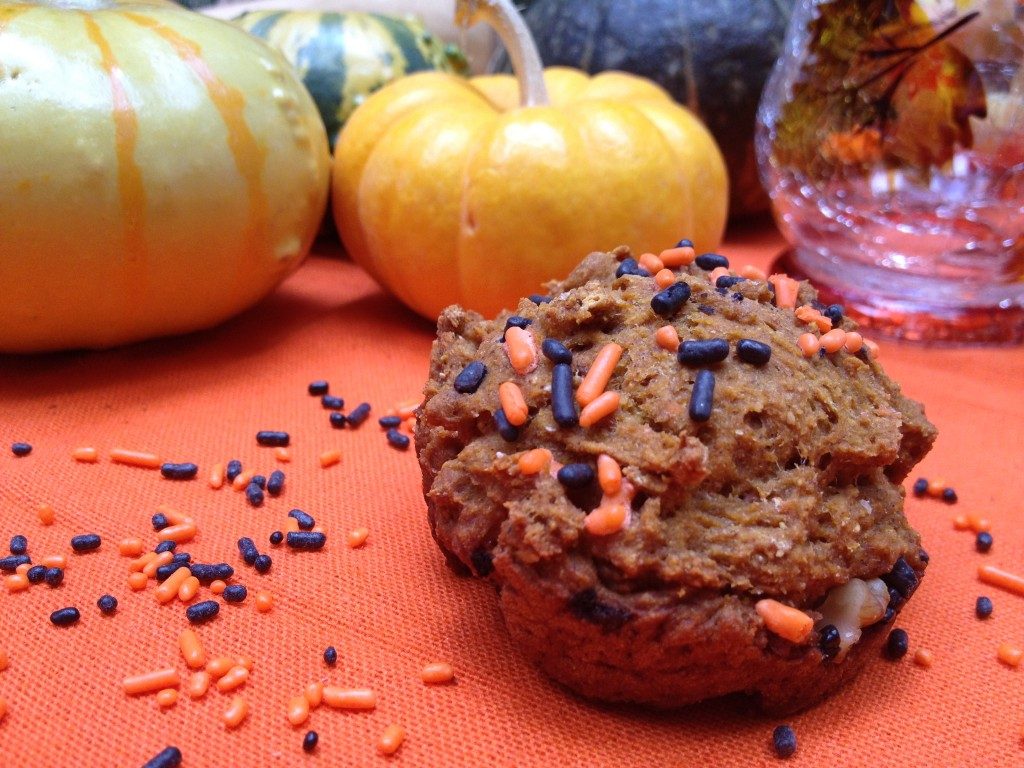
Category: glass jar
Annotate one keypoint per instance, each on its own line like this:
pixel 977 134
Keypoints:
pixel 891 140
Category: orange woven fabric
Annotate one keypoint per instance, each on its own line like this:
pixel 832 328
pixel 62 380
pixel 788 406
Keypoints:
pixel 393 606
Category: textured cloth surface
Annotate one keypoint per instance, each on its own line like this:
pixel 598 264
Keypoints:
pixel 393 606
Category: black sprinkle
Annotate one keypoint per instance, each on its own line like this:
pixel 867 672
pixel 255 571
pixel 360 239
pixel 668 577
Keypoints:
pixel 208 572
pixel 728 281
pixel 397 440
pixel 702 396
pixel 563 401
pixel 305 520
pixel 234 470
pixel 332 403
pixel 159 521
pixel 305 540
pixel 983 542
pixel 923 556
pixel 483 562
pixel 834 312
pixel 183 471
pixel 902 578
pixel 10 564
pixel 505 428
pixel 470 378
pixel 202 612
pixel 274 439
pixel 19 545
pixel 517 321
pixel 667 302
pixel 169 757
pixel 389 422
pixel 107 604
pixel 276 538
pixel 247 548
pixel 585 605
pixel 165 546
pixel 318 387
pixel 65 617
pixel 21 449
pixel 54 577
pixel 631 267
pixel 709 261
pixel 182 558
pixel 358 414
pixel 309 741
pixel 829 641
pixel 983 607
pixel 753 352
pixel 338 419
pixel 738 297
pixel 784 741
pixel 702 351
pixel 576 475
pixel 254 495
pixel 259 480
pixel 706 309
pixel 275 484
pixel 537 298
pixel 263 564
pixel 235 593
pixel 330 655
pixel 921 486
pixel 164 572
pixel 36 574
pixel 896 600
pixel 896 644
pixel 949 496
pixel 684 243
pixel 556 351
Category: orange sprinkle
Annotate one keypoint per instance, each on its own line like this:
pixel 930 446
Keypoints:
pixel 665 278
pixel 54 561
pixel 314 693
pixel 137 581
pixel 751 272
pixel 219 666
pixel 291 524
pixel 521 350
pixel 174 517
pixel 282 454
pixel 391 739
pixel 86 455
pixel 833 341
pixel 217 586
pixel 188 589
pixel 162 559
pixel 599 375
pixel 349 698
pixel 131 547
pixel 23 568
pixel 242 480
pixel 786 290
pixel 513 403
pixel 407 408
pixel 167 698
pixel 677 257
pixel 16 582
pixel 236 712
pixel 135 458
pixel 192 649
pixel 437 672
pixel 961 523
pixel 198 684
pixel 823 323
pixel 142 561
pixel 609 474
pixel 168 589
pixel 854 342
pixel 997 577
pixel 5 661
pixel 667 337
pixel 606 519
pixel 924 658
pixel 805 313
pixel 216 478
pixel 45 514
pixel 1009 654
pixel 603 405
pixel 357 537
pixel 936 487
pixel 245 661
pixel 716 273
pixel 534 462
pixel 651 263
pixel 330 458
pixel 264 602
pixel 233 678
pixel 178 533
pixel 873 348
pixel 151 681
pixel 978 524
pixel 785 621
pixel 298 710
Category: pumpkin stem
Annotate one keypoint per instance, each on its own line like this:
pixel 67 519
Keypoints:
pixel 514 34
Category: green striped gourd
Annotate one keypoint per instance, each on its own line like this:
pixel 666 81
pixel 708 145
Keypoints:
pixel 344 57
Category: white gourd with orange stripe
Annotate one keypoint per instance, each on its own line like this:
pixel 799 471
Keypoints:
pixel 160 171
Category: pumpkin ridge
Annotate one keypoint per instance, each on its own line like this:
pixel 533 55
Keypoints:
pixel 322 71
pixel 8 14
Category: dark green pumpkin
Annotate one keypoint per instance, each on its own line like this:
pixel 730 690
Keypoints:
pixel 344 57
pixel 714 56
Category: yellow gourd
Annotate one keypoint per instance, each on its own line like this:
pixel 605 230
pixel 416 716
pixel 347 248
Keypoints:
pixel 162 171
pixel 449 190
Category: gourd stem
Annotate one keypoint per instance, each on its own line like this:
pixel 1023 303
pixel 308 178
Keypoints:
pixel 514 34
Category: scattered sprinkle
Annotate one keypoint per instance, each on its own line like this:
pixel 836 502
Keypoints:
pixel 65 617
pixel 896 644
pixel 784 741
pixel 983 607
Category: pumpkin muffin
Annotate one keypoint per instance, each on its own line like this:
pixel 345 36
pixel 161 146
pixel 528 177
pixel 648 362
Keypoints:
pixel 682 485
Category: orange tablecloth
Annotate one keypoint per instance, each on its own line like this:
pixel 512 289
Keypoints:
pixel 392 606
